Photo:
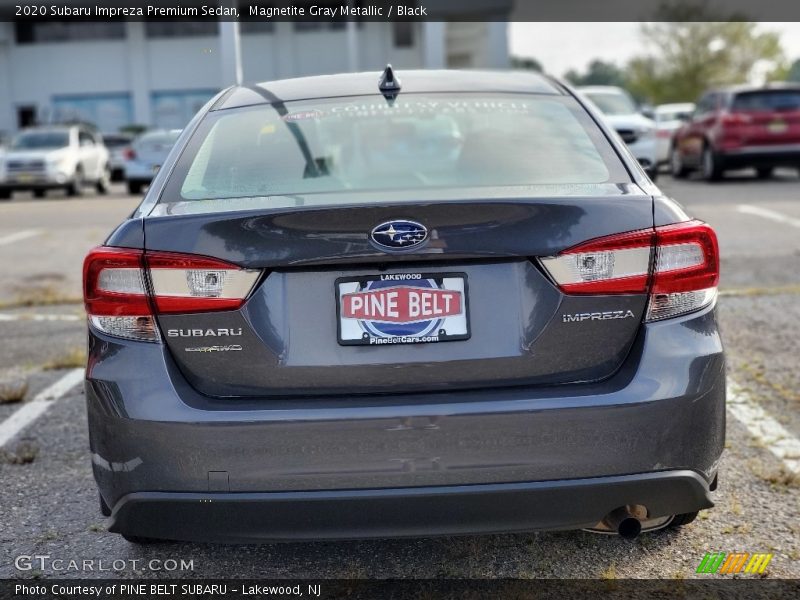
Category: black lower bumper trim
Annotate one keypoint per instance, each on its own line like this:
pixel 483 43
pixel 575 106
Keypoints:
pixel 242 517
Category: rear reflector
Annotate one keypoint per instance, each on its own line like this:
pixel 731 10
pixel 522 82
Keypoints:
pixel 678 265
pixel 120 302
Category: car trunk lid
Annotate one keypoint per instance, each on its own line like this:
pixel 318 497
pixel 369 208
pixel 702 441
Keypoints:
pixel 520 327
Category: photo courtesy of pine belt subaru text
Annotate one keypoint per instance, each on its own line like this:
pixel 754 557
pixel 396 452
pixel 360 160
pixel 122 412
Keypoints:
pixel 405 303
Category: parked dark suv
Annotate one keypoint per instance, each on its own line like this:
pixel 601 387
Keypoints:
pixel 738 127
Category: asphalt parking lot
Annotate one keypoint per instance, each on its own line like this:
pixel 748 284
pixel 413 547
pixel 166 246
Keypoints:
pixel 49 502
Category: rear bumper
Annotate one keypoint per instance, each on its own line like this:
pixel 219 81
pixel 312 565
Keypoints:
pixel 43 182
pixel 158 446
pixel 400 512
pixel 754 156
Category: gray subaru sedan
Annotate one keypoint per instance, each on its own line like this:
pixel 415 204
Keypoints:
pixel 402 304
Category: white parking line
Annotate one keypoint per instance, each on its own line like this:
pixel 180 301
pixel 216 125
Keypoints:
pixel 766 213
pixel 764 428
pixel 33 317
pixel 19 236
pixel 30 411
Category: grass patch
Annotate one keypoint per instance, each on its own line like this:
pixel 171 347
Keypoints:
pixel 74 358
pixel 23 453
pixel 40 295
pixel 792 289
pixel 781 478
pixel 610 573
pixel 13 388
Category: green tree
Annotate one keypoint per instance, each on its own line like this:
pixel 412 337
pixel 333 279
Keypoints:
pixel 688 57
pixel 794 72
pixel 599 72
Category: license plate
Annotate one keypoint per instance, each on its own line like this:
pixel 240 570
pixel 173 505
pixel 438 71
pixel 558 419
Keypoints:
pixel 402 308
pixel 777 127
pixel 25 177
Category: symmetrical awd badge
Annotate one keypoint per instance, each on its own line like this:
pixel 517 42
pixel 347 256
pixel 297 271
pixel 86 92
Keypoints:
pixel 399 234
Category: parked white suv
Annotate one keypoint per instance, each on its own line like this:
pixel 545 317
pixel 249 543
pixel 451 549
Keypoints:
pixel 621 113
pixel 67 157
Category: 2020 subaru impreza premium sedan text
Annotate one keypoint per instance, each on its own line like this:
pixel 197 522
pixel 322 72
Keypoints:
pixel 450 303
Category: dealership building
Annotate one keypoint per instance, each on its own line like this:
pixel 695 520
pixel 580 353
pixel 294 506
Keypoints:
pixel 159 73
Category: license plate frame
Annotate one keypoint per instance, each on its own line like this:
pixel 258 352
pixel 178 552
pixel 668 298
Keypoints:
pixel 449 327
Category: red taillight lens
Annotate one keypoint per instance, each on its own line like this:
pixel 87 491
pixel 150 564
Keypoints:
pixel 113 284
pixel 129 154
pixel 686 270
pixel 118 301
pixel 687 258
pixel 677 264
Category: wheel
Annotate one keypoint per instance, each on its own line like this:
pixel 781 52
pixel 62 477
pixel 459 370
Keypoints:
pixel 676 167
pixel 5 194
pixel 712 169
pixel 134 188
pixel 764 172
pixel 683 519
pixel 75 188
pixel 652 173
pixel 139 540
pixel 104 509
pixel 38 193
pixel 105 180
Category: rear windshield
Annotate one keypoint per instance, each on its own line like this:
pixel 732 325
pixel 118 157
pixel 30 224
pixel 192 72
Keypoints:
pixel 433 141
pixel 115 141
pixel 41 140
pixel 767 100
pixel 612 103
pixel 156 141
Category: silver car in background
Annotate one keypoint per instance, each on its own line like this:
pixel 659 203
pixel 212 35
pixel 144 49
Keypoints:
pixel 69 157
pixel 118 145
pixel 145 156
pixel 669 118
pixel 621 113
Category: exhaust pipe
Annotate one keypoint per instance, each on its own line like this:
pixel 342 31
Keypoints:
pixel 624 522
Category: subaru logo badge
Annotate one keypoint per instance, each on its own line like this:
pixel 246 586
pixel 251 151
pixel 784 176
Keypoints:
pixel 399 235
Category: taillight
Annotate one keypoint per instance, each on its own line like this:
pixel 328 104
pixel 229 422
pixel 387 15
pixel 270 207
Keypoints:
pixel 686 270
pixel 617 264
pixel 125 288
pixel 129 154
pixel 677 265
pixel 735 119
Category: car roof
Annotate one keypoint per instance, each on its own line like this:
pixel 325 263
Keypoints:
pixel 602 89
pixel 49 129
pixel 365 84
pixel 673 106
pixel 744 87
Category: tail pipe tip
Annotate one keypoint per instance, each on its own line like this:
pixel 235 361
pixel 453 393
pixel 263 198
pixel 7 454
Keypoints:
pixel 624 522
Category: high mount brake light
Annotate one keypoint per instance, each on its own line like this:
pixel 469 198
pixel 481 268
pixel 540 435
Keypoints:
pixel 678 265
pixel 119 301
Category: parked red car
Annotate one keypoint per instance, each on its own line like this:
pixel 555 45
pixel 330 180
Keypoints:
pixel 737 127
